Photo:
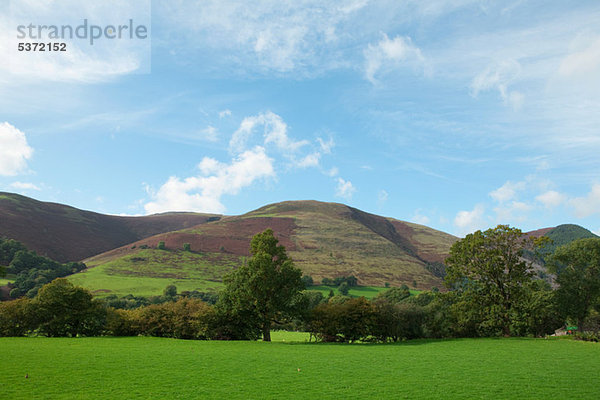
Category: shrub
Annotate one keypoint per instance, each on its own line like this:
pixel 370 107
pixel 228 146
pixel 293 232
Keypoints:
pixel 16 318
pixel 187 247
pixel 349 321
pixel 161 245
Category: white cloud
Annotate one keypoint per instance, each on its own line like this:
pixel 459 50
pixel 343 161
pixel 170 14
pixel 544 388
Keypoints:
pixel 390 53
pixel 24 186
pixel 498 77
pixel 419 218
pixel 583 63
pixel 513 211
pixel 551 199
pixel 470 221
pixel 203 193
pixel 210 133
pixel 311 160
pixel 588 205
pixel 14 150
pixel 326 146
pixel 274 132
pixel 334 171
pixel 344 189
pixel 382 197
pixel 507 192
pixel 225 113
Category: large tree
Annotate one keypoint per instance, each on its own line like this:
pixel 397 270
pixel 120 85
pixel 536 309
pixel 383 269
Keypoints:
pixel 266 286
pixel 577 268
pixel 489 269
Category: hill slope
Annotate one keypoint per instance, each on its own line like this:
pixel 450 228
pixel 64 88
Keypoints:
pixel 324 240
pixel 66 233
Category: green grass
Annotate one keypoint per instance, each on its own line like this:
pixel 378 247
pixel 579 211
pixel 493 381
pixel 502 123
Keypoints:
pixel 150 368
pixel 147 272
pixel 367 291
pixel 4 282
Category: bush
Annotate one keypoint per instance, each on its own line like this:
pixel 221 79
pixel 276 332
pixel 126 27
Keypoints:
pixel 348 321
pixel 187 247
pixel 16 318
pixel 398 321
pixel 161 245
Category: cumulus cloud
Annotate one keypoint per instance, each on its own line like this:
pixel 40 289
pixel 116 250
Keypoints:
pixel 587 205
pixel 344 189
pixel 498 77
pixel 390 53
pixel 24 186
pixel 203 193
pixel 14 150
pixel 224 113
pixel 419 218
pixel 274 131
pixel 210 133
pixel 470 221
pixel 507 192
pixel 551 198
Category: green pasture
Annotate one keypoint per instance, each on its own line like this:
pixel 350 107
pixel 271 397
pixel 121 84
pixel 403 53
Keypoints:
pixel 367 291
pixel 151 368
pixel 147 272
pixel 4 282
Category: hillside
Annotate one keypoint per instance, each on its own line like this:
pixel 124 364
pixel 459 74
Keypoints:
pixel 66 233
pixel 324 240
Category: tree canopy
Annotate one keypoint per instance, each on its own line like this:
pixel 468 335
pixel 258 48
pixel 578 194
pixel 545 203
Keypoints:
pixel 577 268
pixel 489 267
pixel 266 286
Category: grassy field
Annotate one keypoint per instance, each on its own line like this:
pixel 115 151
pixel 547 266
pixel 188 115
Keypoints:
pixel 149 271
pixel 367 291
pixel 5 281
pixel 147 368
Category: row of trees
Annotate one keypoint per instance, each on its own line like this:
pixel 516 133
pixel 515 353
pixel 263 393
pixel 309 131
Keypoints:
pixel 32 271
pixel 492 292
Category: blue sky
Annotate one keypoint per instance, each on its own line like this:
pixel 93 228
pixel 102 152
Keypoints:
pixel 456 114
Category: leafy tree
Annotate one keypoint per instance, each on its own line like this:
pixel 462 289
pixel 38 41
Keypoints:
pixel 577 266
pixel 16 317
pixel 347 321
pixel 161 245
pixel 63 309
pixel 344 288
pixel 307 280
pixel 187 247
pixel 398 321
pixel 2 271
pixel 488 268
pixel 170 291
pixel 395 295
pixel 266 286
pixel 8 249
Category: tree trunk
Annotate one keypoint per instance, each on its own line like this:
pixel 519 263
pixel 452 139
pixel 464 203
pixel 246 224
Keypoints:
pixel 267 331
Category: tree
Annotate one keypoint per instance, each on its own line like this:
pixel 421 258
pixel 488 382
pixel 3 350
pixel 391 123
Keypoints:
pixel 343 288
pixel 170 291
pixel 577 266
pixel 307 280
pixel 266 286
pixel 63 309
pixel 187 247
pixel 489 269
pixel 161 245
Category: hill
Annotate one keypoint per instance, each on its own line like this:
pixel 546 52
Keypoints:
pixel 66 233
pixel 323 239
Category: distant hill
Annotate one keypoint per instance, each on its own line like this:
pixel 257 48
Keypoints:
pixel 564 234
pixel 324 240
pixel 66 233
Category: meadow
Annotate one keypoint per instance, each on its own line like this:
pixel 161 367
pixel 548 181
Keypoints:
pixel 145 367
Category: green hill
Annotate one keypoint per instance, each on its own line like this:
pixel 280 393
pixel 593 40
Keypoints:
pixel 325 240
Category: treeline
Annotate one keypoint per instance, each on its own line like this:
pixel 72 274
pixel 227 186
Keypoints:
pixel 492 292
pixel 32 271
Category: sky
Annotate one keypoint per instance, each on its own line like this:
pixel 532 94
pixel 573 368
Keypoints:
pixel 456 114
